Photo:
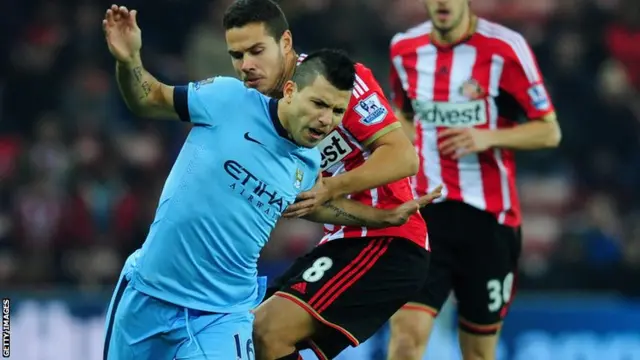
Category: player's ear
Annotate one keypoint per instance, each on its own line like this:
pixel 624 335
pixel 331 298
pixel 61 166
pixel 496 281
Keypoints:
pixel 288 90
pixel 286 42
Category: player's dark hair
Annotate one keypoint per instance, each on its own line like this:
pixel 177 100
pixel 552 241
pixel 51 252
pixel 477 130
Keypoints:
pixel 334 65
pixel 244 12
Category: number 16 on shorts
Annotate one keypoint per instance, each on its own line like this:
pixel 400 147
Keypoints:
pixel 248 348
pixel 500 292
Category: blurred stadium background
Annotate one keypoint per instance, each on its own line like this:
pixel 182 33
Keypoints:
pixel 80 177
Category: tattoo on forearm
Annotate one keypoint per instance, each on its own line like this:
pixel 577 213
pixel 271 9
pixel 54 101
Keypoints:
pixel 138 74
pixel 340 212
pixel 146 89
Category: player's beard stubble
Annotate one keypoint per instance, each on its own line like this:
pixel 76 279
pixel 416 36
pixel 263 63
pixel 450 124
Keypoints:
pixel 284 74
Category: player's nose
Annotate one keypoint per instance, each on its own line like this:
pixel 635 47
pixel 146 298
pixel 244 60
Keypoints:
pixel 248 65
pixel 326 117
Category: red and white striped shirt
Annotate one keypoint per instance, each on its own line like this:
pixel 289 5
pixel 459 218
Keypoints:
pixel 485 81
pixel 368 117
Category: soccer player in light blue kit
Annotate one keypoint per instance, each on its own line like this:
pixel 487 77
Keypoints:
pixel 188 292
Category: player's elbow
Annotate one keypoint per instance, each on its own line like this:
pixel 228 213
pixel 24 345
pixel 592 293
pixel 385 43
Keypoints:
pixel 157 102
pixel 407 158
pixel 407 162
pixel 553 136
pixel 413 163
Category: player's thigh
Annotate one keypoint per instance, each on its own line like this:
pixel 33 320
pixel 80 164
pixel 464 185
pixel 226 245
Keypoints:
pixel 137 326
pixel 410 331
pixel 485 283
pixel 218 337
pixel 282 321
pixel 356 285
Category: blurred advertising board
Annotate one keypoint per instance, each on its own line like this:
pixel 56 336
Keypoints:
pixel 70 326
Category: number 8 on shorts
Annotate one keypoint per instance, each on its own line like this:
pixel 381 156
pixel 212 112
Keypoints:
pixel 317 270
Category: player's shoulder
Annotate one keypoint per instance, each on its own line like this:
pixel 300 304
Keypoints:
pixel 407 39
pixel 235 88
pixel 219 81
pixel 365 81
pixel 508 40
pixel 220 87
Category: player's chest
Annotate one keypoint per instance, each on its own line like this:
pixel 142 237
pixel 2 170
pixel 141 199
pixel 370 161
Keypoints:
pixel 454 87
pixel 257 167
pixel 268 185
pixel 340 151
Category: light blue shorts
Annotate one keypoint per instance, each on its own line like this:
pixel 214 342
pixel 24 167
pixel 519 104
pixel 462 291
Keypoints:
pixel 140 327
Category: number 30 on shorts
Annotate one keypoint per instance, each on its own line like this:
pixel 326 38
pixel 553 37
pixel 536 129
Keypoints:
pixel 499 292
pixel 316 271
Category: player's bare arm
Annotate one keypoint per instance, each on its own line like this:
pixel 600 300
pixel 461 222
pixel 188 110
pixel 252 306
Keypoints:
pixel 342 211
pixel 143 93
pixel 391 150
pixel 539 133
pixel 536 134
pixel 347 212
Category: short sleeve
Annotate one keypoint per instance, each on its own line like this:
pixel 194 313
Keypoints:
pixel 203 102
pixel 369 115
pixel 309 171
pixel 522 80
pixel 313 179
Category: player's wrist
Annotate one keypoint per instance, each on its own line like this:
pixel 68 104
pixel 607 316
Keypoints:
pixel 331 188
pixel 387 218
pixel 134 60
pixel 492 138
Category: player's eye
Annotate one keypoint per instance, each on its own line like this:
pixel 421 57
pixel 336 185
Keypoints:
pixel 257 52
pixel 338 111
pixel 236 55
pixel 319 104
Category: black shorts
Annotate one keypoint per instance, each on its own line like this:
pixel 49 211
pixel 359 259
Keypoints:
pixel 353 286
pixel 474 256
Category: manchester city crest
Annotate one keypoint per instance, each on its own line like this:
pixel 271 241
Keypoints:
pixel 298 181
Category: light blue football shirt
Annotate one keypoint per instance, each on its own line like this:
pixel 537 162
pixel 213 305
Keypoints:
pixel 235 175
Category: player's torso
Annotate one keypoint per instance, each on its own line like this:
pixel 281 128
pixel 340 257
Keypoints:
pixel 225 192
pixel 341 151
pixel 239 167
pixel 458 87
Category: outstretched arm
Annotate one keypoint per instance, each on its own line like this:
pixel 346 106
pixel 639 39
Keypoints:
pixel 343 211
pixel 143 94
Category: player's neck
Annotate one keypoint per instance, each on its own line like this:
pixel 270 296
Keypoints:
pixel 282 117
pixel 461 32
pixel 289 68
